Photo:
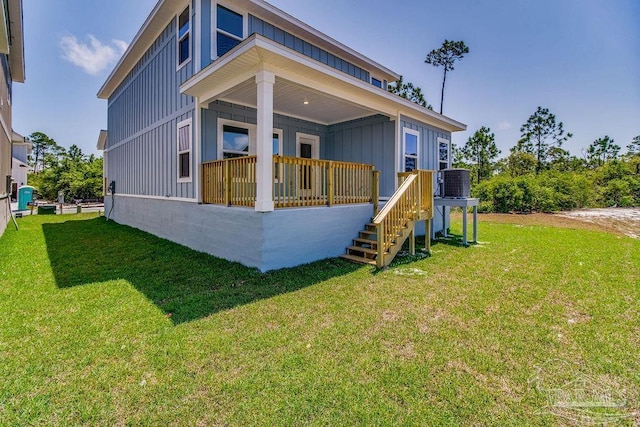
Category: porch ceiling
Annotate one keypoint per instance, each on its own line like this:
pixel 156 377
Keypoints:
pixel 289 99
pixel 333 96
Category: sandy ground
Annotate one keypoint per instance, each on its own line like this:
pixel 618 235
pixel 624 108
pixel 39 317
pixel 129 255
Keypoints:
pixel 624 221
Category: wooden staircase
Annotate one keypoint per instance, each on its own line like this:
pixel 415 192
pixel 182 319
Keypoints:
pixel 383 237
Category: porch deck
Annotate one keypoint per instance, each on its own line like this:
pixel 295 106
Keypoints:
pixel 298 182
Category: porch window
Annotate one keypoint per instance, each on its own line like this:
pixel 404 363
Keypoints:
pixel 411 143
pixel 184 151
pixel 235 142
pixel 184 30
pixel 229 31
pixel 444 154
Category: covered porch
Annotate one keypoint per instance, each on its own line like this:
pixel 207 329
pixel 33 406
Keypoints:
pixel 294 116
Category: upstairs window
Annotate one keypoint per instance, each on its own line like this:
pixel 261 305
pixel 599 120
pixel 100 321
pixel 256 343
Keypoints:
pixel 184 31
pixel 376 82
pixel 229 31
pixel 184 151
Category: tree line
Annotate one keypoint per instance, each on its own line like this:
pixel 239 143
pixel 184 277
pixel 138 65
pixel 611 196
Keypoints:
pixel 539 175
pixel 56 168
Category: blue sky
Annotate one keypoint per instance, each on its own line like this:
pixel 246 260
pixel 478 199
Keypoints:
pixel 579 58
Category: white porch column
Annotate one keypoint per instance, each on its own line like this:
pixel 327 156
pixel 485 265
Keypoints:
pixel 264 141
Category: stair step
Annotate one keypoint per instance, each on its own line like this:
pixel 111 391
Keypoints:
pixel 370 232
pixel 358 259
pixel 365 241
pixel 363 250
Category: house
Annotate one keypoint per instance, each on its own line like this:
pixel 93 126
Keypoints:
pixel 20 150
pixel 12 70
pixel 238 130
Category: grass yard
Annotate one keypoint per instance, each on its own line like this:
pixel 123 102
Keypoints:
pixel 106 325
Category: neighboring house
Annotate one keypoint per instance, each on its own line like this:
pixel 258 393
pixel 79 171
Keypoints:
pixel 238 130
pixel 12 70
pixel 20 149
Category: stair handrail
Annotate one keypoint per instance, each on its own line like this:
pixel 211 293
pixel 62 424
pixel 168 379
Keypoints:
pixel 399 208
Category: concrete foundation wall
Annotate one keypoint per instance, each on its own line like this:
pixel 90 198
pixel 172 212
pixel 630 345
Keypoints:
pixel 4 215
pixel 299 236
pixel 267 241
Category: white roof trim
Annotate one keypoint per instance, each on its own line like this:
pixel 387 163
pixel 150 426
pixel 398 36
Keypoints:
pixel 350 89
pixel 163 12
pixel 16 41
pixel 166 10
pixel 314 36
pixel 102 140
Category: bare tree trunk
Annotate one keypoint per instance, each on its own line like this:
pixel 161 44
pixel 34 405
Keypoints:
pixel 444 79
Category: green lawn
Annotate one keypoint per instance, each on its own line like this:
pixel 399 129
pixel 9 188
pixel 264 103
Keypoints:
pixel 105 325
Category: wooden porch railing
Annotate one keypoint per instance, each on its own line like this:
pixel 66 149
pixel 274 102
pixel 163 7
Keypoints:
pixel 230 182
pixel 312 182
pixel 412 201
pixel 298 182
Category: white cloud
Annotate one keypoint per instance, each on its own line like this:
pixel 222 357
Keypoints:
pixel 93 57
pixel 504 125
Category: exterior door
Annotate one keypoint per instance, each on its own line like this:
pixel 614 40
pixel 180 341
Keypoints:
pixel 309 177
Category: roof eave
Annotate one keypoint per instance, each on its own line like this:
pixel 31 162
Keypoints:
pixel 388 103
pixel 16 44
pixel 165 10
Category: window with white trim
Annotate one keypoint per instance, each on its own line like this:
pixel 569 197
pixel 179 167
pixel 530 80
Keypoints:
pixel 229 29
pixel 184 32
pixel 184 151
pixel 444 154
pixel 237 139
pixel 410 149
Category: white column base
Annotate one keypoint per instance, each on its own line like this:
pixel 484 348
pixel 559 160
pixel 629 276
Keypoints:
pixel 264 206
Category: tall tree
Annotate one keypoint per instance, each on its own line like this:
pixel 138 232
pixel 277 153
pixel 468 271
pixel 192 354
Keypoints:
pixel 42 144
pixel 601 150
pixel 634 146
pixel 409 91
pixel 481 150
pixel 444 57
pixel 540 134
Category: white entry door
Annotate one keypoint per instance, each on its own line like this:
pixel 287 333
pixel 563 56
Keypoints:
pixel 309 177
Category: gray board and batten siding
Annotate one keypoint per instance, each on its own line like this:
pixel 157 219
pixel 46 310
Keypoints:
pixel 289 126
pixel 370 140
pixel 428 155
pixel 428 159
pixel 259 26
pixel 143 115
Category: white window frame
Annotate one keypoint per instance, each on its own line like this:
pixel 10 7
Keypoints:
pixel 252 137
pixel 280 142
pixel 182 124
pixel 403 156
pixel 448 143
pixel 214 25
pixel 315 146
pixel 187 34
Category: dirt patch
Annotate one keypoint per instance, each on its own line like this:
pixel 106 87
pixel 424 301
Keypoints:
pixel 625 221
